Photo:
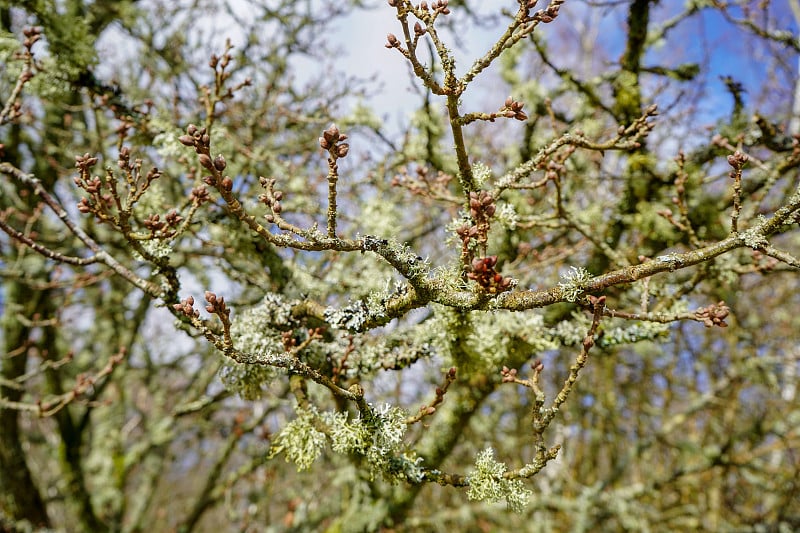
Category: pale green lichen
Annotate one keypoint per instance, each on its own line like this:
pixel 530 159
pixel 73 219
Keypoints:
pixel 157 247
pixel 166 141
pixel 574 283
pixel 492 335
pixel 378 436
pixel 486 483
pixel 379 218
pixel 255 333
pixel 387 427
pixel 636 332
pixel 249 381
pixel 507 216
pixel 480 174
pixel 346 436
pixel 300 441
pixel 753 238
pixel 572 332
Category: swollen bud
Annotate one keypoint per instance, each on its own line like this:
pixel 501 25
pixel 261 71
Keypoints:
pixel 205 160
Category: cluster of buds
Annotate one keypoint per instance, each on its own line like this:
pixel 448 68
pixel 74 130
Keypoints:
pixel 186 307
pixel 438 6
pixel 293 339
pixel 422 183
pixel 513 109
pixel 199 195
pixel 271 198
pixel 97 202
pixel 155 224
pixel 289 340
pixel 467 232
pixel 640 128
pixel 481 206
pixel 196 138
pixel 484 274
pixel 32 34
pixel 509 375
pixel 713 315
pixel 332 140
pixel 84 163
pixel 199 139
pixel 737 160
pixel 216 306
pixel 481 209
pixel 221 62
pixel 392 41
pixel 555 167
pixel 547 14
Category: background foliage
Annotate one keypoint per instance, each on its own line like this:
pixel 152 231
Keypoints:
pixel 571 308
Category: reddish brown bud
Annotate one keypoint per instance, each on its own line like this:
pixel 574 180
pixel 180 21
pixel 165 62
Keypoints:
pixel 186 140
pixel 227 183
pixel 220 163
pixel 331 134
pixel 206 161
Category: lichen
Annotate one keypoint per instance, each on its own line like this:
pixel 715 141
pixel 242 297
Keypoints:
pixel 300 441
pixel 574 283
pixel 480 174
pixel 486 483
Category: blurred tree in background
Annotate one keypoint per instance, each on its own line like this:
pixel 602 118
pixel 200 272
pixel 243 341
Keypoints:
pixel 572 308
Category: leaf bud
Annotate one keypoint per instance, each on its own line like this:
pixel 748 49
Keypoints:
pixel 186 140
pixel 205 160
